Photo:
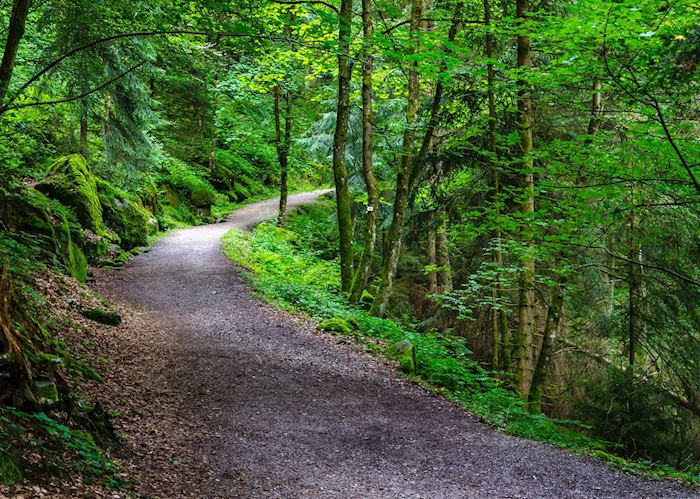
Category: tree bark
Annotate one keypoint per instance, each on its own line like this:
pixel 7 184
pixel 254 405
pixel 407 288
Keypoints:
pixel 432 259
pixel 282 144
pixel 84 108
pixel 340 170
pixel 370 237
pixel 403 174
pixel 634 277
pixel 15 32
pixel 554 314
pixel 444 274
pixel 213 138
pixel 526 294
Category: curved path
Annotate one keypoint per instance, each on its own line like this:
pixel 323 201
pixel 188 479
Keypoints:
pixel 275 409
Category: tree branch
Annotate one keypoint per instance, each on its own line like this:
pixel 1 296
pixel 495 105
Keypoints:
pixel 77 97
pixel 429 19
pixel 312 2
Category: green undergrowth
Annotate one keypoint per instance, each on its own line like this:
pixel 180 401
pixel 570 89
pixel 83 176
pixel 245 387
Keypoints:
pixel 54 433
pixel 288 271
pixel 49 447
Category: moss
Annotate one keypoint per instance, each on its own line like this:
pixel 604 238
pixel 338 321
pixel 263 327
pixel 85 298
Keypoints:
pixel 335 325
pixel 202 197
pixel 10 472
pixel 75 262
pixel 50 226
pixel 182 181
pixel 404 353
pixel 102 316
pixel 124 214
pixel 69 181
pixel 172 197
pixel 149 196
pixel 45 392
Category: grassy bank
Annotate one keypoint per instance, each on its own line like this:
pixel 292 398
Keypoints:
pixel 291 268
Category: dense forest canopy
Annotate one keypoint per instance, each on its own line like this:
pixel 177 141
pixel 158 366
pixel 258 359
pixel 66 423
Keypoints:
pixel 524 175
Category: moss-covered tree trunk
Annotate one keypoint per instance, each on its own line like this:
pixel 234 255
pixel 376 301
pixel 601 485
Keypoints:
pixel 432 257
pixel 340 169
pixel 282 143
pixel 84 107
pixel 526 291
pixel 362 273
pixel 15 32
pixel 403 174
pixel 444 273
pixel 634 281
pixel 500 339
pixel 539 376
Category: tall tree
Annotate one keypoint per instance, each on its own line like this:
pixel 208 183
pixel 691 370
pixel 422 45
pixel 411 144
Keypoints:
pixel 526 173
pixel 15 32
pixel 340 169
pixel 282 142
pixel 403 174
pixel 370 237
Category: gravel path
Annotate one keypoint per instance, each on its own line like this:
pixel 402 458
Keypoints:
pixel 269 407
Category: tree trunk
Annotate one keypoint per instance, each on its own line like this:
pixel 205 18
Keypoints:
pixel 15 32
pixel 432 259
pixel 554 313
pixel 84 108
pixel 363 269
pixel 403 174
pixel 213 138
pixel 526 294
pixel 282 144
pixel 340 170
pixel 635 285
pixel 437 102
pixel 500 344
pixel 444 274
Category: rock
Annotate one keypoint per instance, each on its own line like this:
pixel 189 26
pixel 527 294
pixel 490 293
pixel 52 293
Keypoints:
pixel 51 225
pixel 125 215
pixel 404 353
pixel 202 197
pixel 366 300
pixel 149 196
pixel 45 392
pixel 335 325
pixel 171 196
pixel 69 181
pixel 102 316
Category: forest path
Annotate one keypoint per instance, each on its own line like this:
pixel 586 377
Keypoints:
pixel 253 402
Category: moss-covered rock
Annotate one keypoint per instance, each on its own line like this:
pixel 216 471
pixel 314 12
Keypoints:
pixel 171 196
pixel 124 214
pixel 45 392
pixel 204 196
pixel 335 325
pixel 102 316
pixel 149 196
pixel 50 225
pixel 69 181
pixel 404 353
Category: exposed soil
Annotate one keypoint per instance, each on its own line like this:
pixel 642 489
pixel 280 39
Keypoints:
pixel 221 395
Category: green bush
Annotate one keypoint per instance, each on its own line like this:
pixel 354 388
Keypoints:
pixel 188 182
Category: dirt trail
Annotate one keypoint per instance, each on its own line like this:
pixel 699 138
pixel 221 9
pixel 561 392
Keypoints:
pixel 255 403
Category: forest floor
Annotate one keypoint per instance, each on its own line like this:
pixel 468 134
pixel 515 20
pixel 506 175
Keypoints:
pixel 222 395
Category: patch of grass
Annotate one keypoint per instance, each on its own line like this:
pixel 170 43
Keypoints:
pixel 288 272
